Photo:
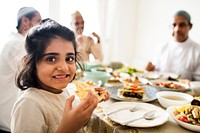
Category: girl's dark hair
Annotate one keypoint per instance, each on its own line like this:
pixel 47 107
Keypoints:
pixel 36 42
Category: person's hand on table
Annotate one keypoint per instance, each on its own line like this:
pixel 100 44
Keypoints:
pixel 150 67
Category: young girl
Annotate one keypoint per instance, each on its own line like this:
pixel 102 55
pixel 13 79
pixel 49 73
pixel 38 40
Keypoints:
pixel 50 64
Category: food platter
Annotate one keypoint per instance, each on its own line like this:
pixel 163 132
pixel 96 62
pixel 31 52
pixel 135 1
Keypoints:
pixel 149 95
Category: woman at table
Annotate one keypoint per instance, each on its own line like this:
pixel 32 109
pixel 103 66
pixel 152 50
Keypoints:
pixel 50 64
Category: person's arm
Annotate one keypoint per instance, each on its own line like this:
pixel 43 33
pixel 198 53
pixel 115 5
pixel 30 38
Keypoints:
pixel 96 50
pixel 97 36
pixel 76 118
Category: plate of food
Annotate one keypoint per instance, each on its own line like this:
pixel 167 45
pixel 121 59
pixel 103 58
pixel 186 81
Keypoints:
pixel 187 116
pixel 123 114
pixel 131 92
pixel 171 86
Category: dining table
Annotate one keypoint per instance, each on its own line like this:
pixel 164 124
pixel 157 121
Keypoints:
pixel 102 124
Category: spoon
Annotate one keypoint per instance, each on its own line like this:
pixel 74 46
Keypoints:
pixel 148 116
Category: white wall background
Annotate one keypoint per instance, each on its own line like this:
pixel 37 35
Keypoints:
pixel 131 30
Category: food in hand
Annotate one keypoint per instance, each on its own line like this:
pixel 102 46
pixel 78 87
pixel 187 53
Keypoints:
pixel 83 87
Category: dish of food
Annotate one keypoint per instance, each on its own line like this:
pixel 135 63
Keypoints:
pixel 148 95
pixel 187 116
pixel 170 86
pixel 131 90
pixel 124 114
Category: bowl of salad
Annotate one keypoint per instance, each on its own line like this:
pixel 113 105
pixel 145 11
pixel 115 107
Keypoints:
pixel 187 116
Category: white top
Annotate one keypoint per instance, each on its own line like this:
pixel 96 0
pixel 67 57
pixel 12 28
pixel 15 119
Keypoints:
pixel 39 111
pixel 11 53
pixel 180 58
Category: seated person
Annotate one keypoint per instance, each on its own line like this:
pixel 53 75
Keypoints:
pixel 180 55
pixel 86 44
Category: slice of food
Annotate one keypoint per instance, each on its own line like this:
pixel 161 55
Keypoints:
pixel 83 87
pixel 131 91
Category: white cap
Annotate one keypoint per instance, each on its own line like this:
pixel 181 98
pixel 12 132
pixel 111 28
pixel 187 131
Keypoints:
pixel 24 11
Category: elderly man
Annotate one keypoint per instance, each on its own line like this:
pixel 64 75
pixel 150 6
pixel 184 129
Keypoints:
pixel 86 44
pixel 181 55
pixel 11 54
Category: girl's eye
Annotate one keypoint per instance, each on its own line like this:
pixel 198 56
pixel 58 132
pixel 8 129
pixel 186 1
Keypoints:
pixel 51 59
pixel 70 59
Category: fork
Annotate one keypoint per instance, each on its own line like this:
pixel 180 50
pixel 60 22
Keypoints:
pixel 135 108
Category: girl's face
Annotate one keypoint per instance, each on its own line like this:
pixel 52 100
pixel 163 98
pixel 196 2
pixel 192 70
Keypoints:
pixel 57 66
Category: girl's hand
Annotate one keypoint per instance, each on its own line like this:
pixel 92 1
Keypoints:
pixel 75 118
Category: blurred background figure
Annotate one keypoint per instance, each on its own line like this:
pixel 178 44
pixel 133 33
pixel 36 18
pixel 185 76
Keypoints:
pixel 86 44
pixel 11 54
pixel 180 55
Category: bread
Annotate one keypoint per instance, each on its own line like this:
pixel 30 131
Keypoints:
pixel 83 87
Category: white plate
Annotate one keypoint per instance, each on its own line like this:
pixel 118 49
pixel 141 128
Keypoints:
pixel 151 75
pixel 126 115
pixel 149 95
pixel 191 127
pixel 166 75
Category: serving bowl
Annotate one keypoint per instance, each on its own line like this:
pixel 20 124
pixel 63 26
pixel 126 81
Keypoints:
pixel 171 98
pixel 97 76
pixel 90 65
